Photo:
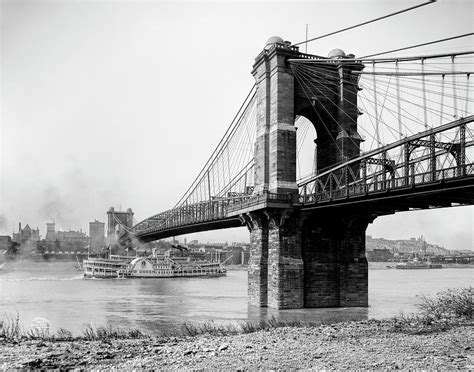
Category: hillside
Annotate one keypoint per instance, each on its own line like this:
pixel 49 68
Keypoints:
pixel 413 245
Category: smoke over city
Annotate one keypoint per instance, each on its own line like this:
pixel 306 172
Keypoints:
pixel 53 206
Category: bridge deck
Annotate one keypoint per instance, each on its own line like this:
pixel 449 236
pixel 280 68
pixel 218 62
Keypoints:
pixel 390 186
pixel 381 198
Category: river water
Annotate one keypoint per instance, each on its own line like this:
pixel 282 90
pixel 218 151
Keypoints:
pixel 56 291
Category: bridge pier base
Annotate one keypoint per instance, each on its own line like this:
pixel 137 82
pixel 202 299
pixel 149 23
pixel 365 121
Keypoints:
pixel 276 267
pixel 258 263
pixel 285 265
pixel 301 261
pixel 335 266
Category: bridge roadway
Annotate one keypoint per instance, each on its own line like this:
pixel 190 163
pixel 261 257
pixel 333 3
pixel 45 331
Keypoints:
pixel 443 192
pixel 392 188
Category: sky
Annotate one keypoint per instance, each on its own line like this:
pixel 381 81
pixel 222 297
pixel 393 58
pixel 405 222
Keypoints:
pixel 120 103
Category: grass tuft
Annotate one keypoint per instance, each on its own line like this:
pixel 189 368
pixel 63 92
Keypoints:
pixel 10 327
pixel 455 303
pixel 440 313
pixel 211 328
pixel 106 333
pixel 11 330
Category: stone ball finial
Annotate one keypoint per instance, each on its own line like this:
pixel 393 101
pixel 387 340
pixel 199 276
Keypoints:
pixel 336 54
pixel 274 40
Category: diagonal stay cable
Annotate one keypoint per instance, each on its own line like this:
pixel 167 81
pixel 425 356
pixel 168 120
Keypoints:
pixel 308 73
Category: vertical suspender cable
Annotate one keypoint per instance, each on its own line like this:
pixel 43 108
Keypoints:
pixel 228 163
pixel 455 98
pixel 442 101
pixel 399 109
pixel 423 85
pixel 377 134
pixel 467 95
pixel 209 185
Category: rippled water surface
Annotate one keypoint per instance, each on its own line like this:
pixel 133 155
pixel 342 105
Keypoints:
pixel 58 292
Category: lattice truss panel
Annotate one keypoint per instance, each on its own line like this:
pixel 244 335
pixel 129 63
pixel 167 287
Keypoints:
pixel 398 99
pixel 227 176
pixel 443 153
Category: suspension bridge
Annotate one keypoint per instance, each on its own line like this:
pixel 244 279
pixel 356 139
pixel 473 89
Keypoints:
pixel 386 135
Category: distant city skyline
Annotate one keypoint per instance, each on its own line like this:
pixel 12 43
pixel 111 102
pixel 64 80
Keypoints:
pixel 192 238
pixel 109 103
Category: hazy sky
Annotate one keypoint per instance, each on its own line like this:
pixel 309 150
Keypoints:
pixel 120 103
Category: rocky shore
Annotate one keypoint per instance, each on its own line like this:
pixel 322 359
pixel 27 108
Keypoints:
pixel 369 344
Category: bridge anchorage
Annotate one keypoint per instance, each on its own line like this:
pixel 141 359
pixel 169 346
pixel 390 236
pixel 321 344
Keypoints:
pixel 307 233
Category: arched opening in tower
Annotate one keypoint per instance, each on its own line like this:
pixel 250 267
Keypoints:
pixel 306 148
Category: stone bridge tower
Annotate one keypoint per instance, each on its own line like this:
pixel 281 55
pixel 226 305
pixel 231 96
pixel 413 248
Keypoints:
pixel 303 258
pixel 114 220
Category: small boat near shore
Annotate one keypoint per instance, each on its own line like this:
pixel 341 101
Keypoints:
pixel 417 265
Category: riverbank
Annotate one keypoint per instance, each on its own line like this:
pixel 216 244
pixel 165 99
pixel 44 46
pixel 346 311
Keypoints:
pixel 352 345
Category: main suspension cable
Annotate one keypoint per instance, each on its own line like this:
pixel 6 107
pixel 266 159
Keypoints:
pixel 366 22
pixel 420 45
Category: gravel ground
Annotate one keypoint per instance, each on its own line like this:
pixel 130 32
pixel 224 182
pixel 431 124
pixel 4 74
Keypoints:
pixel 353 345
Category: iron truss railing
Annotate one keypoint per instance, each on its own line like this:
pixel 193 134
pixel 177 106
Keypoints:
pixel 208 211
pixel 190 214
pixel 438 154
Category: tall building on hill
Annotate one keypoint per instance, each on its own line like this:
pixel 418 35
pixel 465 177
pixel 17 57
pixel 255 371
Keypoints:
pixel 96 234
